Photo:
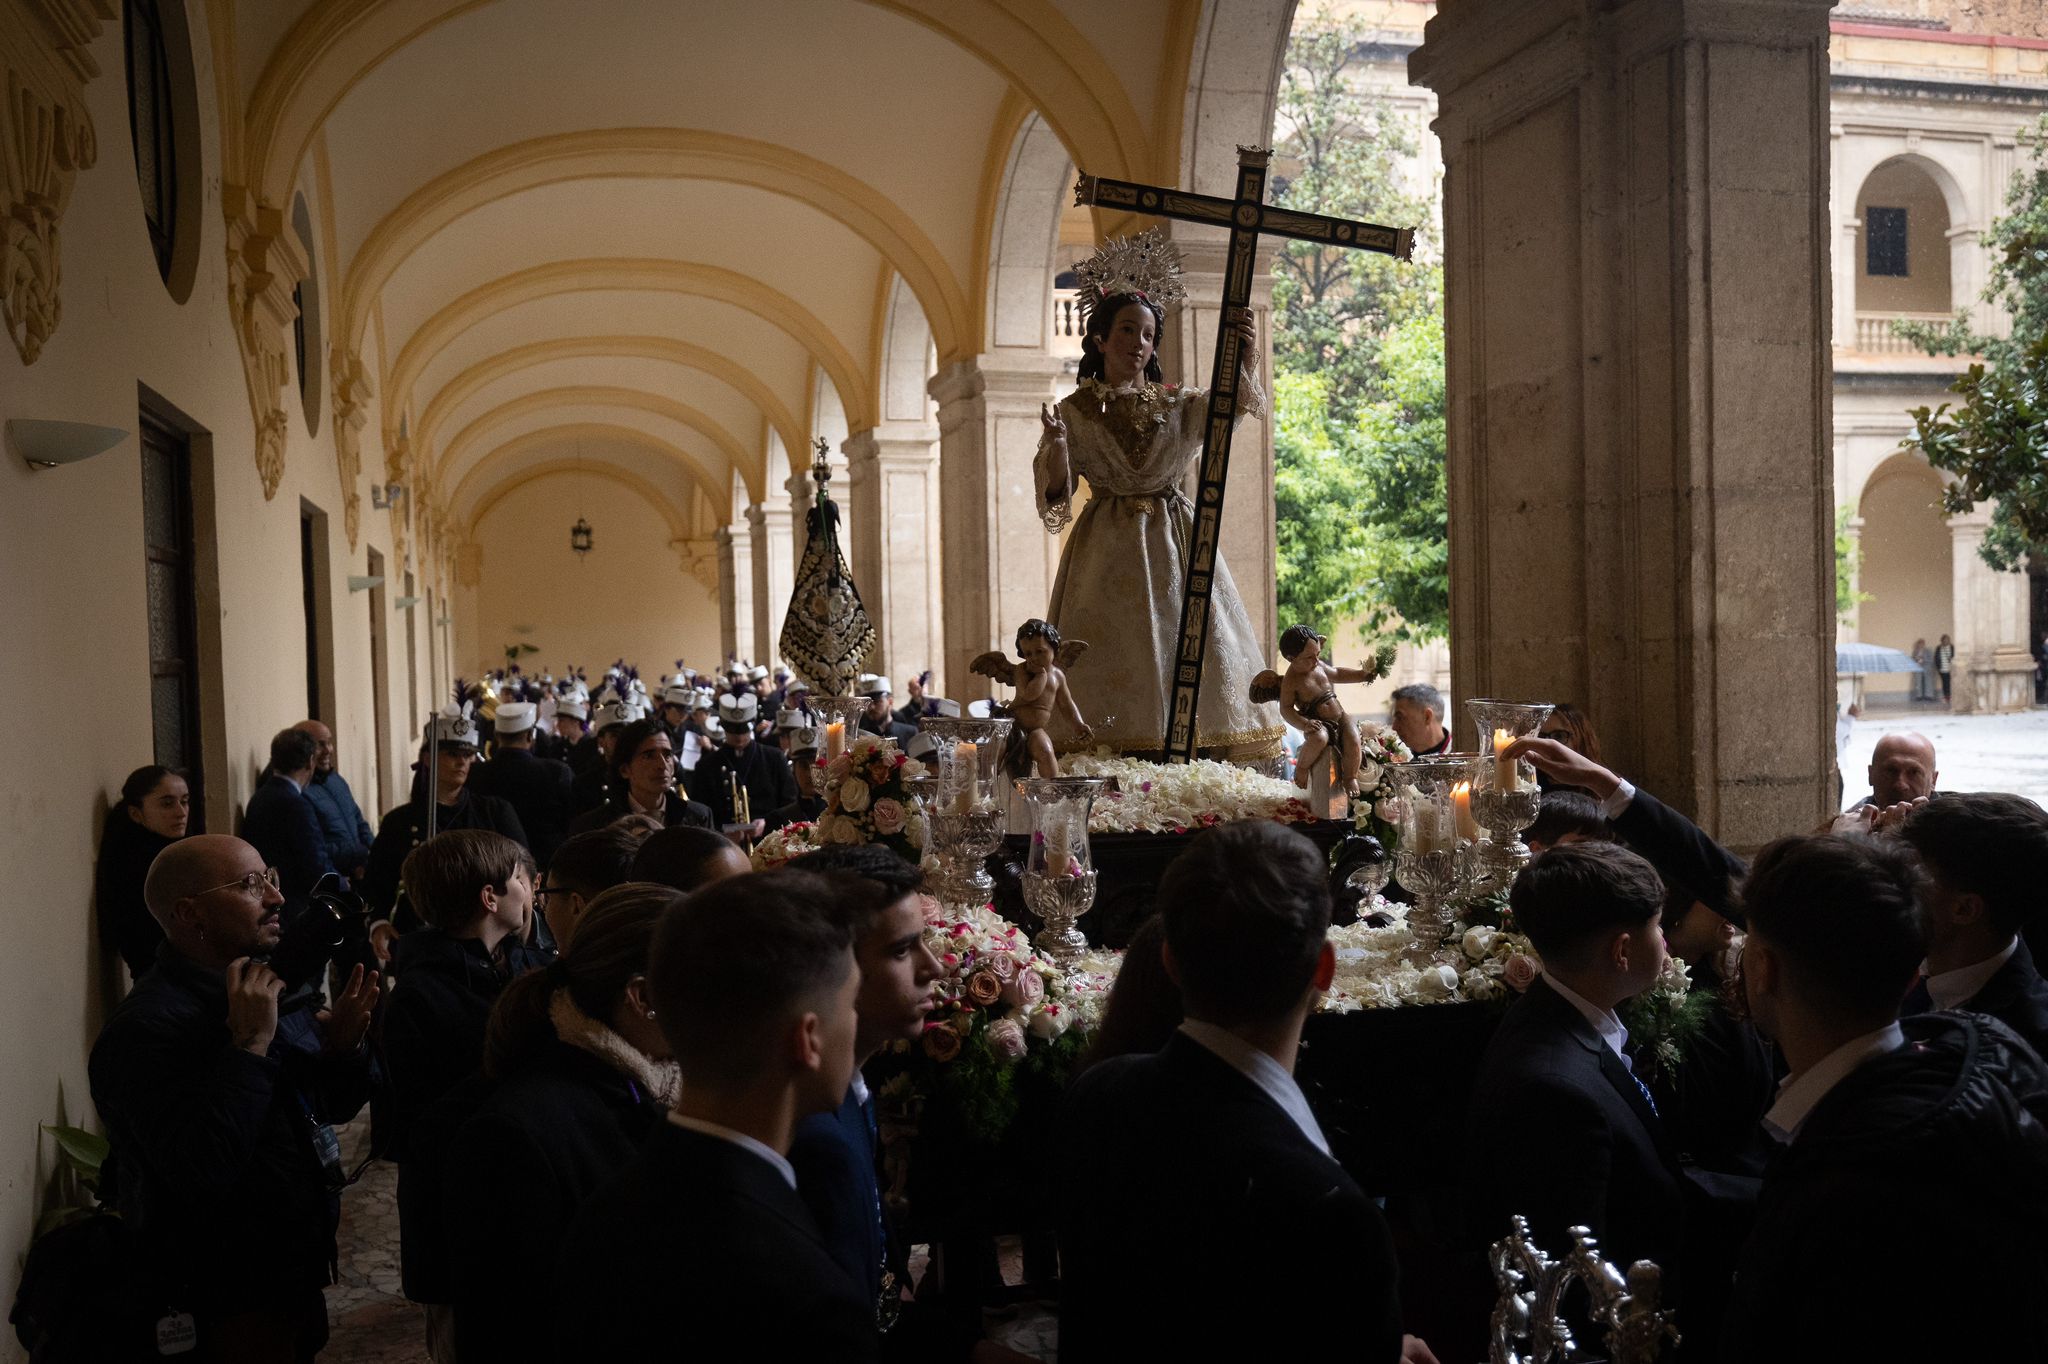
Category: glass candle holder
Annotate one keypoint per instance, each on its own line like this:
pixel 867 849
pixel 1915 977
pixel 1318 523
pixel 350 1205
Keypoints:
pixel 1505 794
pixel 966 813
pixel 838 722
pixel 1059 870
pixel 1430 857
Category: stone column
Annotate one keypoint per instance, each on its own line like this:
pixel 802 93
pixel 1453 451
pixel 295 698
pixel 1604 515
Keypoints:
pixel 1636 264
pixel 1188 357
pixel 892 535
pixel 735 588
pixel 774 577
pixel 998 561
pixel 1993 671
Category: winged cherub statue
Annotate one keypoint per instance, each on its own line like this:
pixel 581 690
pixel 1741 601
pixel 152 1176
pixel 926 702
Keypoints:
pixel 1307 693
pixel 1041 683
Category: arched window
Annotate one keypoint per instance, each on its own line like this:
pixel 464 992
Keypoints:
pixel 1902 264
pixel 152 127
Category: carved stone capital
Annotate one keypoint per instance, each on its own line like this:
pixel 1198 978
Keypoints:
pixel 699 556
pixel 265 261
pixel 46 138
pixel 397 469
pixel 352 394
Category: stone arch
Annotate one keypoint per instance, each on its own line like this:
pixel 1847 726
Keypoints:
pixel 584 276
pixel 673 153
pixel 1933 204
pixel 906 358
pixel 683 353
pixel 1233 84
pixel 628 399
pixel 1023 238
pixel 477 481
pixel 678 520
pixel 1906 563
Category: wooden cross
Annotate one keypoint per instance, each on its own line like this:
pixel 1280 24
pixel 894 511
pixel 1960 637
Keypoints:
pixel 1246 216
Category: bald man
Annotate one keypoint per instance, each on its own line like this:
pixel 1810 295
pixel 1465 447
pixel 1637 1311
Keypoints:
pixel 1901 770
pixel 342 824
pixel 219 1110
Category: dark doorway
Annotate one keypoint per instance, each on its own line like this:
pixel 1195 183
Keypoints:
pixel 169 550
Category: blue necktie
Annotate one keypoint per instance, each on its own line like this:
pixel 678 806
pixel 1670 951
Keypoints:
pixel 1644 1090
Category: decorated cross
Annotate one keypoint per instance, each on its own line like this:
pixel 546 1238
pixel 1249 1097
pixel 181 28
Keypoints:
pixel 1247 216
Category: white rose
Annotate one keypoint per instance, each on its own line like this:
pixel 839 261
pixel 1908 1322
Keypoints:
pixel 1368 774
pixel 1436 982
pixel 843 830
pixel 913 830
pixel 1049 1022
pixel 853 795
pixel 1389 809
pixel 1478 942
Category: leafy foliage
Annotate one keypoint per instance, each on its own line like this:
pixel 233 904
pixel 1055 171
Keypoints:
pixel 1358 362
pixel 1848 557
pixel 1995 438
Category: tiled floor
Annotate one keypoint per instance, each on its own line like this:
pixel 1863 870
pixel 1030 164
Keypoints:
pixel 371 1322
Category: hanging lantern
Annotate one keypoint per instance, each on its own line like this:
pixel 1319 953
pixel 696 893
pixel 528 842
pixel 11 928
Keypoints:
pixel 579 536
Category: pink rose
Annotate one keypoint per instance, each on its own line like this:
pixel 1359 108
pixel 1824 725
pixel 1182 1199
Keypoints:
pixel 1027 989
pixel 1006 1039
pixel 1002 966
pixel 1519 971
pixel 888 816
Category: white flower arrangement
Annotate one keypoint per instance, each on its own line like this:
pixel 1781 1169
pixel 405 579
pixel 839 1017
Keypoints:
pixel 1372 973
pixel 1158 798
pixel 785 845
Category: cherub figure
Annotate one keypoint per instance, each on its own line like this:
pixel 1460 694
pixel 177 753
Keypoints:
pixel 1041 683
pixel 1307 693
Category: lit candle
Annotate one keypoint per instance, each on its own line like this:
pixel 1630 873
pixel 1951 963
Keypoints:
pixel 1461 801
pixel 835 739
pixel 1506 775
pixel 966 772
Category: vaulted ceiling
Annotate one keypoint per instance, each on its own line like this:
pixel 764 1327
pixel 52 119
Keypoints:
pixel 638 231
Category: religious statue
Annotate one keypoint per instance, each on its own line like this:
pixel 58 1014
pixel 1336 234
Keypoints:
pixel 826 636
pixel 1134 437
pixel 1041 683
pixel 1307 693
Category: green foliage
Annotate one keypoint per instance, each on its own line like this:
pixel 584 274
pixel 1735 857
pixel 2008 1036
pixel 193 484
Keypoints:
pixel 80 1155
pixel 1358 365
pixel 1995 440
pixel 1848 558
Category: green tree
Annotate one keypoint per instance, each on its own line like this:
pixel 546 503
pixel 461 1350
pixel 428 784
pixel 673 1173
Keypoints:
pixel 1994 440
pixel 1358 363
pixel 1848 558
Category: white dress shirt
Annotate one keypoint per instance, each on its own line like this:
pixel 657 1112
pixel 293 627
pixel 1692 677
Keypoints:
pixel 1953 989
pixel 1799 1094
pixel 1604 1021
pixel 1262 1070
pixel 739 1139
pixel 1616 803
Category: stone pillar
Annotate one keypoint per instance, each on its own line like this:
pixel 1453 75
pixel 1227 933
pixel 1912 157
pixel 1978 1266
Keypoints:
pixel 998 561
pixel 1188 357
pixel 774 577
pixel 735 588
pixel 1993 672
pixel 1636 265
pixel 892 534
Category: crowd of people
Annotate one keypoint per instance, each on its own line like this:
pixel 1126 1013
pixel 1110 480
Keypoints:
pixel 620 1073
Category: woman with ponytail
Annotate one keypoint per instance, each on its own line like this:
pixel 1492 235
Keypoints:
pixel 580 1077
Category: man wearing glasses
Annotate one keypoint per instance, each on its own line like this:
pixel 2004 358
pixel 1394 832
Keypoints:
pixel 220 1112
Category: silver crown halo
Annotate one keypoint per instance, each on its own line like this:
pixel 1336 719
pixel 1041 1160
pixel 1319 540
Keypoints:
pixel 1147 264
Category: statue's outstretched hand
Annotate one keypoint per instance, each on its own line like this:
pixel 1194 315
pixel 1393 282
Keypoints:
pixel 1055 424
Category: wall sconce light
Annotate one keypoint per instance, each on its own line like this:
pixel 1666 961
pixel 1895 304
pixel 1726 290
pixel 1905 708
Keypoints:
pixel 384 496
pixel 408 603
pixel 47 444
pixel 580 536
pixel 359 583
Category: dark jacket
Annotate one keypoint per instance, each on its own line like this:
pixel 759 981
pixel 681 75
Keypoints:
pixel 1908 1219
pixel 1712 1104
pixel 695 1239
pixel 2015 995
pixel 214 1148
pixel 1683 853
pixel 763 772
pixel 514 1176
pixel 537 789
pixel 803 810
pixel 405 828
pixel 680 810
pixel 583 755
pixel 126 925
pixel 891 729
pixel 1558 1132
pixel 341 822
pixel 1180 1183
pixel 283 825
pixel 838 1176
pixel 432 1040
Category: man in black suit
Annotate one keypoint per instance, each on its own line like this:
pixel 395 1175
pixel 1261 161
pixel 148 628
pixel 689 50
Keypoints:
pixel 282 823
pixel 703 1240
pixel 759 770
pixel 536 788
pixel 836 1154
pixel 1986 856
pixel 1195 1195
pixel 1902 1219
pixel 1561 1129
pixel 880 716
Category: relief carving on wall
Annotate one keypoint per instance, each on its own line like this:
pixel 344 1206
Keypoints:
pixel 46 139
pixel 265 262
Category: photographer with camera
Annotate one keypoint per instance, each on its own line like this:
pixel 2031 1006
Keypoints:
pixel 219 1110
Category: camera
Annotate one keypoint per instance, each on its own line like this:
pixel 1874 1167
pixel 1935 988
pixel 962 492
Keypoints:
pixel 333 923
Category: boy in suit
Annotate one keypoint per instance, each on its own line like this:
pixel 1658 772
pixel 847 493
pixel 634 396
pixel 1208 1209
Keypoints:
pixel 752 981
pixel 1198 1176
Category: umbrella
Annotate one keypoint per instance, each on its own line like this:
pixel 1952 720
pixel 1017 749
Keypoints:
pixel 1857 659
